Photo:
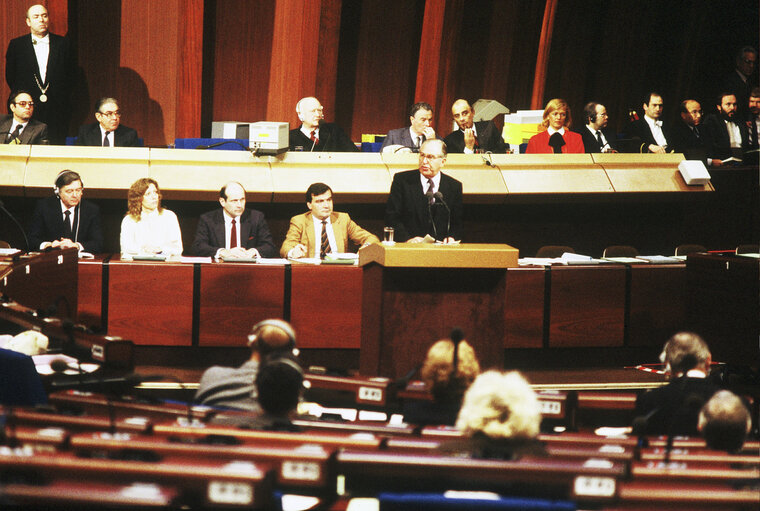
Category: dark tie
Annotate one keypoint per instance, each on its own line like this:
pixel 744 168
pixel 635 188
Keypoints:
pixel 556 141
pixel 696 131
pixel 15 134
pixel 66 233
pixel 233 235
pixel 599 140
pixel 324 247
pixel 105 140
pixel 419 141
pixel 313 136
pixel 754 141
pixel 430 191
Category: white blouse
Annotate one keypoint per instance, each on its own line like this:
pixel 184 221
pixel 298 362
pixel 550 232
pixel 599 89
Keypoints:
pixel 153 230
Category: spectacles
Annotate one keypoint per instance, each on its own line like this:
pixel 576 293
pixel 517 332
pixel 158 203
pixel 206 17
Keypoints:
pixel 424 156
pixel 110 114
pixel 24 104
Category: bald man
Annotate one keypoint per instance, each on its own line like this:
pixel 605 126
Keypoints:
pixel 473 137
pixel 315 134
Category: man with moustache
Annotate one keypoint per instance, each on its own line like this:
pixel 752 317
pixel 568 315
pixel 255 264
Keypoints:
pixel 726 133
pixel 108 130
pixel 596 137
pixel 473 137
pixel 316 135
pixel 753 119
pixel 19 127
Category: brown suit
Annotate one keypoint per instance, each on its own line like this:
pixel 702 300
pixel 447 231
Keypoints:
pixel 302 231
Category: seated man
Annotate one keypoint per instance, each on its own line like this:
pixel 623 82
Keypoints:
pixel 597 138
pixel 316 135
pixel 651 134
pixel 473 137
pixel 233 387
pixel 724 422
pixel 18 127
pixel 65 220
pixel 412 137
pixel 673 408
pixel 726 134
pixel 108 131
pixel 688 135
pixel 332 229
pixel 233 231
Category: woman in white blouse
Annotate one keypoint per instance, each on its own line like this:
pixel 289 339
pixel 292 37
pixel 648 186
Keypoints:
pixel 148 228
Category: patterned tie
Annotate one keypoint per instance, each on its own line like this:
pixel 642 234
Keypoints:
pixel 313 136
pixel 324 247
pixel 14 135
pixel 233 235
pixel 430 191
pixel 105 140
pixel 67 233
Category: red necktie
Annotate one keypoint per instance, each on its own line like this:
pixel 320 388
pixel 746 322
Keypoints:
pixel 313 136
pixel 233 235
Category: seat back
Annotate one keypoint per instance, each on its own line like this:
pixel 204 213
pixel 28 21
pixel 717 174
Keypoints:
pixel 620 251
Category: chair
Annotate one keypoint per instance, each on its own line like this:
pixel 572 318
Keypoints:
pixel 552 251
pixel 4 244
pixel 620 251
pixel 748 248
pixel 20 385
pixel 686 249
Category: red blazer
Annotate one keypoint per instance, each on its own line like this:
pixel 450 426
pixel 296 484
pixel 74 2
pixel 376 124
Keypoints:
pixel 539 143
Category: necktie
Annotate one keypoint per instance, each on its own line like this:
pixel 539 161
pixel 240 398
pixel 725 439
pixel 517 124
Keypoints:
pixel 754 141
pixel 324 247
pixel 599 140
pixel 14 135
pixel 430 191
pixel 696 131
pixel 419 141
pixel 233 235
pixel 313 136
pixel 105 140
pixel 66 233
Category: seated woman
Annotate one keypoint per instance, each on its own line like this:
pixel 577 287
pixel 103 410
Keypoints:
pixel 556 137
pixel 148 228
pixel 445 383
pixel 500 417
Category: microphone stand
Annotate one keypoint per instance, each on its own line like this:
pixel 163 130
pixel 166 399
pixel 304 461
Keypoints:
pixel 23 233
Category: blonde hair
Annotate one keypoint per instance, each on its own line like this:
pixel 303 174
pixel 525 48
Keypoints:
pixel 500 405
pixel 438 370
pixel 135 196
pixel 556 104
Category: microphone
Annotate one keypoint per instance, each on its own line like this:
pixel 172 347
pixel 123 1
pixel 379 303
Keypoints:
pixel 438 196
pixel 430 196
pixel 23 233
pixel 217 144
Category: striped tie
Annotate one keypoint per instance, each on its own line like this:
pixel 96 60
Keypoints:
pixel 324 247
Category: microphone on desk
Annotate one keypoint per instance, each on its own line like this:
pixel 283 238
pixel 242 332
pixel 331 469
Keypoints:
pixel 231 141
pixel 23 233
pixel 439 198
pixel 104 384
pixel 430 196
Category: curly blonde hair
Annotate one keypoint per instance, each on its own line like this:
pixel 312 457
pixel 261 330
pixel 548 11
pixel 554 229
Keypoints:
pixel 557 104
pixel 437 370
pixel 135 196
pixel 500 405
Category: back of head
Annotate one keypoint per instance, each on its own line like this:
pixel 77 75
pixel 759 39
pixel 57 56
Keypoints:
pixel 279 382
pixel 438 371
pixel 272 336
pixel 724 422
pixel 500 405
pixel 683 352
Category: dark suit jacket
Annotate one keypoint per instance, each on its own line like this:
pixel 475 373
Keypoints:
pixel 640 129
pixel 489 139
pixel 408 213
pixel 47 224
pixel 684 140
pixel 124 136
pixel 717 141
pixel 34 133
pixel 331 138
pixel 674 408
pixel 400 136
pixel 591 144
pixel 254 233
pixel 539 143
pixel 21 67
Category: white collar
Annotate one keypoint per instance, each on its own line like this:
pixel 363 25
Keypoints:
pixel 653 122
pixel 42 40
pixel 318 221
pixel 552 131
pixel 474 130
pixel 696 373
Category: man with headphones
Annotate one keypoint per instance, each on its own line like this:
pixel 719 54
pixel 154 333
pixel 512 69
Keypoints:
pixel 65 220
pixel 235 387
pixel 597 138
pixel 316 135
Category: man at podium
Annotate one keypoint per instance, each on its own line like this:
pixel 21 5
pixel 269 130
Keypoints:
pixel 424 201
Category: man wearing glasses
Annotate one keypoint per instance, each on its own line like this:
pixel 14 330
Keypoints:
pixel 108 131
pixel 424 201
pixel 19 127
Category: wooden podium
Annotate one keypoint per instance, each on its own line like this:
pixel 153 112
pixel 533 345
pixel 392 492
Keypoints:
pixel 414 294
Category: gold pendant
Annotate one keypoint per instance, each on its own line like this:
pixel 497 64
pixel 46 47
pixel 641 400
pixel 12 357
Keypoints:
pixel 43 98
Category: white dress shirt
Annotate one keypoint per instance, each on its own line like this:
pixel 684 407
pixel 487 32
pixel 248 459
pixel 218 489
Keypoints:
pixel 655 126
pixel 318 236
pixel 154 229
pixel 42 51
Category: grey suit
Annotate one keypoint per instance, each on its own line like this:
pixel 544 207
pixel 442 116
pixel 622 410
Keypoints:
pixel 401 136
pixel 35 132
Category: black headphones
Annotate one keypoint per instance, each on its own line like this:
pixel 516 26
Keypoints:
pixel 254 342
pixel 59 177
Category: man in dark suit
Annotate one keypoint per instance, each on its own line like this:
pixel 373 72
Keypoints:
pixel 233 231
pixel 108 131
pixel 316 135
pixel 19 127
pixel 420 117
pixel 674 408
pixel 649 130
pixel 740 80
pixel 425 201
pixel 753 119
pixel 65 220
pixel 688 135
pixel 473 137
pixel 726 134
pixel 597 138
pixel 41 63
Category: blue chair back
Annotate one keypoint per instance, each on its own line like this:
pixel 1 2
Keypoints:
pixel 20 384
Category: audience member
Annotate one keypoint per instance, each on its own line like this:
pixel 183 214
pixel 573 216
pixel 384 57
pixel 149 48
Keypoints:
pixel 108 131
pixel 425 201
pixel 234 387
pixel 501 418
pixel 41 63
pixel 473 137
pixel 654 136
pixel 724 422
pixel 18 127
pixel 739 81
pixel 753 119
pixel 726 133
pixel 315 134
pixel 65 220
pixel 673 408
pixel 446 376
pixel 597 138
pixel 233 231
pixel 333 229
pixel 421 118
pixel 688 135
pixel 556 137
pixel 148 228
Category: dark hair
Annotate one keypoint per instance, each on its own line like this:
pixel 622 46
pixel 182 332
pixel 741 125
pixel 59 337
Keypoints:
pixel 419 106
pixel 279 382
pixel 723 95
pixel 316 189
pixel 14 94
pixel 102 101
pixel 590 111
pixel 66 177
pixel 745 49
pixel 223 190
pixel 755 92
pixel 648 97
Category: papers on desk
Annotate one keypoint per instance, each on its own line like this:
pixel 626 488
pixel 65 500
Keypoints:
pixel 8 251
pixel 42 364
pixel 341 258
pixel 566 259
pixel 749 254
pixel 86 255
pixel 625 260
pixel 658 259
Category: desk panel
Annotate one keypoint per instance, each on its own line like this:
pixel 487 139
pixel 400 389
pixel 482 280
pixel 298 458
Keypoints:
pixel 657 303
pixel 90 291
pixel 151 303
pixel 587 306
pixel 14 158
pixel 524 308
pixel 234 297
pixel 326 306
